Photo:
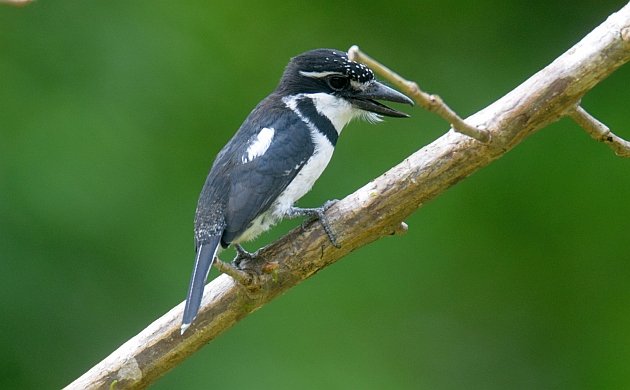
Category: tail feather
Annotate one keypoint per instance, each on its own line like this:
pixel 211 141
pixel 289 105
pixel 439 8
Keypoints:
pixel 205 257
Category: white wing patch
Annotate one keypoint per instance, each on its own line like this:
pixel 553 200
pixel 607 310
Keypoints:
pixel 258 145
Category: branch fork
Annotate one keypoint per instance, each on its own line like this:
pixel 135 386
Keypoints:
pixel 599 131
pixel 430 102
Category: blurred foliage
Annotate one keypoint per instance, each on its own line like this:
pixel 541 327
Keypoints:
pixel 111 113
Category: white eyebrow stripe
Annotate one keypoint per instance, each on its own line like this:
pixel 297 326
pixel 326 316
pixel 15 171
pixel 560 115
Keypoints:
pixel 319 75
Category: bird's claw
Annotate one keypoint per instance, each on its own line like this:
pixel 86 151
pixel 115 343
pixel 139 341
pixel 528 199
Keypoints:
pixel 324 221
pixel 242 254
pixel 317 213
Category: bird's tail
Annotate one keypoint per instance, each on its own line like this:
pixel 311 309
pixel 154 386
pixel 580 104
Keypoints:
pixel 205 257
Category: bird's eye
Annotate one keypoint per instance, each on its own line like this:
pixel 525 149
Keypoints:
pixel 337 83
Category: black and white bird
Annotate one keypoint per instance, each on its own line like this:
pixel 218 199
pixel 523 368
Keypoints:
pixel 283 146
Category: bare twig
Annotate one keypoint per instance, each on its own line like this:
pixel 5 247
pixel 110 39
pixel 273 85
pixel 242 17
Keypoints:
pixel 430 102
pixel 240 276
pixel 374 211
pixel 600 131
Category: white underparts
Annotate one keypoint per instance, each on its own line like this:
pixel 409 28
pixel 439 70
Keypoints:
pixel 258 145
pixel 301 184
pixel 339 112
pixel 307 176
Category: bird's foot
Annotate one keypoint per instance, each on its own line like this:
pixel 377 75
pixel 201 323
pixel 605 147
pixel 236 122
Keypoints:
pixel 316 213
pixel 242 254
pixel 248 268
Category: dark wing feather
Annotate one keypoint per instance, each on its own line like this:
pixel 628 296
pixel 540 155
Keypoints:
pixel 267 175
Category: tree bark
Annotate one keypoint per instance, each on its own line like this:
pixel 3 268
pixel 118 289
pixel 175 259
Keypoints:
pixel 373 211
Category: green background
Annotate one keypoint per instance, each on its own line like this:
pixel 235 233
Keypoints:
pixel 111 113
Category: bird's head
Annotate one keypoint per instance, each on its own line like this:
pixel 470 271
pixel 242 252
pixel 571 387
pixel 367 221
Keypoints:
pixel 330 72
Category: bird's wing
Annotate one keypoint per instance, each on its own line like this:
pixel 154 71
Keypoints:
pixel 258 176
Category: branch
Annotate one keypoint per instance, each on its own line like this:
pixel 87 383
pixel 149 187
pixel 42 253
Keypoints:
pixel 429 102
pixel 372 212
pixel 600 132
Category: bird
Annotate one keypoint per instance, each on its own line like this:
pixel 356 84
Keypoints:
pixel 278 153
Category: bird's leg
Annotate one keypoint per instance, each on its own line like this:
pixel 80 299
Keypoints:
pixel 242 254
pixel 316 213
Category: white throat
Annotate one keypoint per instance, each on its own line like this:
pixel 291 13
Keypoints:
pixel 338 110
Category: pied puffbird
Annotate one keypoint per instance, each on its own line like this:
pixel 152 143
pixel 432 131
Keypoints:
pixel 278 153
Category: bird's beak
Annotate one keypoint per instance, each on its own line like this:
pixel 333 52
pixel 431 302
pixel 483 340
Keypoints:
pixel 366 99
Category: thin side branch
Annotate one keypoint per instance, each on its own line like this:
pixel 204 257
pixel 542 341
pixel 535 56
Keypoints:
pixel 240 276
pixel 600 132
pixel 429 102
pixel 372 212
